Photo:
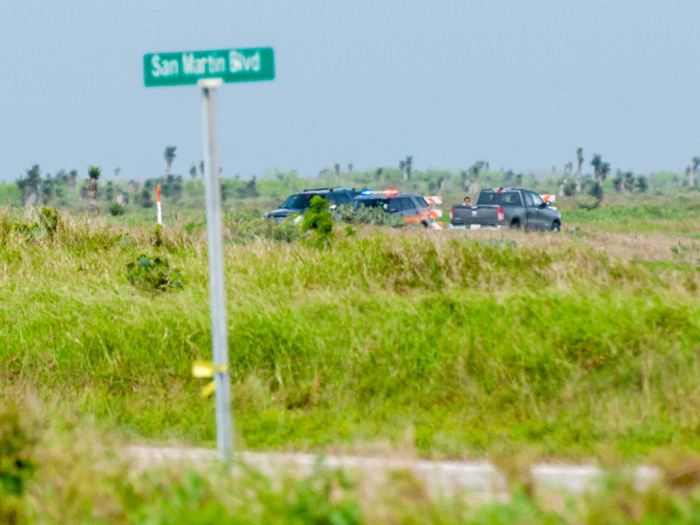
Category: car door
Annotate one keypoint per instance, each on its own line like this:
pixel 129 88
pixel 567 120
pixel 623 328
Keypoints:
pixel 394 208
pixel 409 210
pixel 539 212
pixel 423 208
pixel 530 218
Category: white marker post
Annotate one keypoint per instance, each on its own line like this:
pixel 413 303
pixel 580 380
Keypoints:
pixel 217 288
pixel 160 212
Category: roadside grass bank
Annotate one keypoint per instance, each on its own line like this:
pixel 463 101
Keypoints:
pixel 444 345
pixel 58 469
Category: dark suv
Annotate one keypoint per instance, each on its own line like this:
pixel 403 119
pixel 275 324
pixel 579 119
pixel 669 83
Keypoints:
pixel 299 202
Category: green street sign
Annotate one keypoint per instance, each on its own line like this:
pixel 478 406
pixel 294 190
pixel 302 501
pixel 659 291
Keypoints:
pixel 230 65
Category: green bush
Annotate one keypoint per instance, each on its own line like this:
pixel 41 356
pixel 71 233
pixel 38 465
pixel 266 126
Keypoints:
pixel 248 226
pixel 116 209
pixel 17 465
pixel 153 274
pixel 377 216
pixel 31 231
pixel 49 218
pixel 319 222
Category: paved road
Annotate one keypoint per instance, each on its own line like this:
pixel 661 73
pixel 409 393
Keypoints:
pixel 444 476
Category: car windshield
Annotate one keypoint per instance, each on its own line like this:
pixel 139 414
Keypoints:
pixel 300 201
pixel 370 203
pixel 504 198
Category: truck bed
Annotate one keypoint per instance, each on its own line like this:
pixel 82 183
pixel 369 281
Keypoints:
pixel 474 217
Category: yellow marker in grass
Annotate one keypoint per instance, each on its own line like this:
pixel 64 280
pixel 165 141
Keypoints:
pixel 205 370
pixel 209 389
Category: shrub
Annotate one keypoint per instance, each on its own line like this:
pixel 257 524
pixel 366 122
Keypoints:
pixel 116 209
pixel 345 213
pixel 642 184
pixel 318 218
pixel 158 236
pixel 319 222
pixel 153 274
pixel 16 464
pixel 377 216
pixel 570 189
pixel 587 202
pixel 596 191
pixel 49 218
pixel 30 230
pixel 146 201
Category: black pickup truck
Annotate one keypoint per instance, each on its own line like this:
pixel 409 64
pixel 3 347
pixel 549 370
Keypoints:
pixel 513 207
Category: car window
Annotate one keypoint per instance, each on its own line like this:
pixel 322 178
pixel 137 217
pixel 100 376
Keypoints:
pixel 341 198
pixel 406 204
pixel 394 205
pixel 422 202
pixel 537 199
pixel 528 198
pixel 298 201
pixel 503 198
pixel 369 203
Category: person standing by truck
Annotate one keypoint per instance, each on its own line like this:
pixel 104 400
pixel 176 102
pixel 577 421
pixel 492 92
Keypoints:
pixel 467 201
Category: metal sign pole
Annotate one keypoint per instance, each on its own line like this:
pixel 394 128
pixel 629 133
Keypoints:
pixel 217 289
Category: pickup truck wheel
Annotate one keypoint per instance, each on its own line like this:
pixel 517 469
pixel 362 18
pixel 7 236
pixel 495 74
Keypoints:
pixel 515 224
pixel 556 226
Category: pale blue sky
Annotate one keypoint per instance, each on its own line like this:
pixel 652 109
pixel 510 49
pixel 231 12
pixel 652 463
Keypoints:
pixel 520 83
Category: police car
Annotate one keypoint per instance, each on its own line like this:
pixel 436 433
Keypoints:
pixel 413 209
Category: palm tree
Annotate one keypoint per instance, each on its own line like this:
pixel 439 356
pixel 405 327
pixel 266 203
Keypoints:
pixel 31 188
pixel 642 183
pixel 193 172
pixel 72 176
pixel 440 184
pixel 628 183
pixel 692 178
pixel 169 156
pixel 473 175
pixel 579 159
pixel 600 168
pixel 93 175
pixel 116 173
pixel 618 182
pixel 406 166
pixel 337 173
pixel 568 168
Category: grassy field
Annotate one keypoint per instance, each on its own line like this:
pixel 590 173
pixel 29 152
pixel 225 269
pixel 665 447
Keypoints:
pixel 447 344
pixel 60 470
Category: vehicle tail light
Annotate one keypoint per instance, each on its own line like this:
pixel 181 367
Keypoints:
pixel 452 213
pixel 501 215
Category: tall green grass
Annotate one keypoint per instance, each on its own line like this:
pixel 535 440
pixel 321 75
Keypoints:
pixel 461 345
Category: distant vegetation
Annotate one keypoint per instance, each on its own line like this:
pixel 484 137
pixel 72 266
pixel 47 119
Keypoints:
pixel 583 190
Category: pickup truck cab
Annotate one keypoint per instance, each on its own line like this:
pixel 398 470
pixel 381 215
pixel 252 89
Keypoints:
pixel 513 207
